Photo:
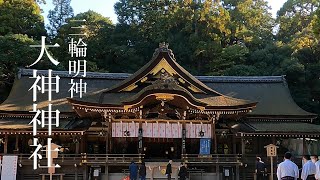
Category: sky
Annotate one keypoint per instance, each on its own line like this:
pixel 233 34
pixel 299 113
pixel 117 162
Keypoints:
pixel 105 7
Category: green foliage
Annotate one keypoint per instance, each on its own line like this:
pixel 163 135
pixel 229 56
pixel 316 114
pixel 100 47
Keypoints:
pixel 16 52
pixel 250 23
pixel 226 37
pixel 316 24
pixel 295 16
pixel 98 30
pixel 241 70
pixel 58 16
pixel 21 17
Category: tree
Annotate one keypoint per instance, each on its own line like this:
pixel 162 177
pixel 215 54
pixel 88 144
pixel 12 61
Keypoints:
pixel 58 16
pixel 21 17
pixel 294 16
pixel 191 28
pixel 241 70
pixel 198 31
pixel 316 24
pixel 297 22
pixel 97 30
pixel 16 52
pixel 251 22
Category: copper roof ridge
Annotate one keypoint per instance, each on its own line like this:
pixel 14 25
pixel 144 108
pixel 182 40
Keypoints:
pixel 122 76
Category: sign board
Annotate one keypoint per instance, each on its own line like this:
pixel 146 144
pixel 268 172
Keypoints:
pixel 96 173
pixel 271 150
pixel 9 167
pixel 205 144
pixel 226 172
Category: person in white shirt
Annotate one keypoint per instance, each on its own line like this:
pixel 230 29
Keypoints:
pixel 287 170
pixel 308 169
pixel 316 162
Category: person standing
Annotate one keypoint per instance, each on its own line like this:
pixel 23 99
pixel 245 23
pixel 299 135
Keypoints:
pixel 133 168
pixel 308 169
pixel 316 162
pixel 183 171
pixel 261 169
pixel 287 170
pixel 169 170
pixel 143 171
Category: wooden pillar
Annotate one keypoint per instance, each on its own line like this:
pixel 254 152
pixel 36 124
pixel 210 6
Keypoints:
pixel 140 139
pixel 5 148
pixel 234 144
pixel 108 124
pixel 107 172
pixel 78 148
pixel 255 147
pixel 76 172
pixel 217 172
pixel 237 172
pixel 184 134
pixel 259 144
pixel 140 133
pixel 83 143
pixel 214 137
pixel 17 143
pixel 243 152
pixel 243 145
pixel 109 134
pixel 304 146
pixel 85 174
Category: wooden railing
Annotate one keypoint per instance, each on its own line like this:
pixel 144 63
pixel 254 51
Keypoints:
pixel 213 158
pixel 84 158
pixel 112 158
pixel 127 158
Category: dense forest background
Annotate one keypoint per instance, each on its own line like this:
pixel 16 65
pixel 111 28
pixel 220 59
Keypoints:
pixel 208 37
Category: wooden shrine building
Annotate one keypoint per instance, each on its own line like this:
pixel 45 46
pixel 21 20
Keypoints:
pixel 161 112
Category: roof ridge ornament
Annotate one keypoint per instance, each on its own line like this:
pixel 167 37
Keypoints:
pixel 163 47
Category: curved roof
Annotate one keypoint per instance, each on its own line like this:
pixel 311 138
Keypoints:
pixel 160 54
pixel 271 92
pixel 163 74
pixel 280 127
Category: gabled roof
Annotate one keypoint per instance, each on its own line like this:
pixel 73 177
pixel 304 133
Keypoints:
pixel 163 58
pixel 271 93
pixel 164 75
pixel 279 127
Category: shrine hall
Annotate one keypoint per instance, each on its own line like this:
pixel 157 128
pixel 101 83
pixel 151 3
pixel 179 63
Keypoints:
pixel 216 124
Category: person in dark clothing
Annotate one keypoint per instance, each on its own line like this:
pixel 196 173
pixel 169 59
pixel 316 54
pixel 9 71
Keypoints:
pixel 169 170
pixel 183 173
pixel 143 171
pixel 133 168
pixel 261 169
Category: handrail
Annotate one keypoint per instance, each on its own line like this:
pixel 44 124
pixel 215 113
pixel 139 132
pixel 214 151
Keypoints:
pixel 212 158
pixel 195 170
pixel 221 155
pixel 75 155
pixel 88 158
pixel 126 158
